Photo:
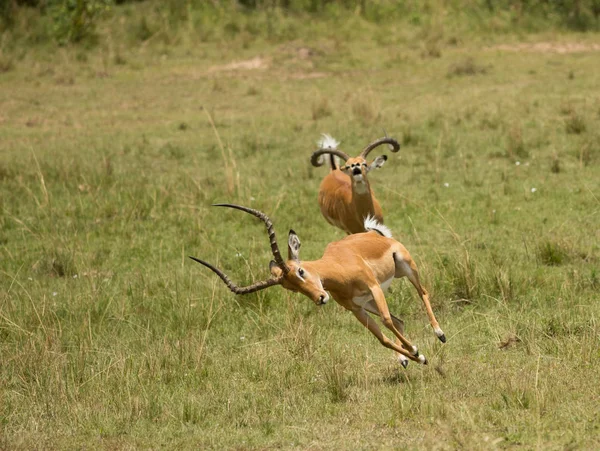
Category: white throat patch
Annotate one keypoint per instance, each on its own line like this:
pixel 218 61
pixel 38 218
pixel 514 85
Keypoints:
pixel 360 186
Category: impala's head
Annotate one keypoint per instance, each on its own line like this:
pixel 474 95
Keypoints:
pixel 299 278
pixel 358 167
pixel 291 275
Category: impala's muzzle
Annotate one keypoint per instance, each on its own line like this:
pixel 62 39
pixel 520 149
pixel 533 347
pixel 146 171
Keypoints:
pixel 322 299
pixel 356 171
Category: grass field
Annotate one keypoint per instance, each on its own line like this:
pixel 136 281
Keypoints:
pixel 109 160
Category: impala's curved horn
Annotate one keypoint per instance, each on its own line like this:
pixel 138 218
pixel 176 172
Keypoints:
pixel 270 230
pixel 257 286
pixel 327 145
pixel 314 158
pixel 395 147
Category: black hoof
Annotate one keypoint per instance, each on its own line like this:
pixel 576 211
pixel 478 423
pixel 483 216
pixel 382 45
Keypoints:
pixel 425 362
pixel 404 363
pixel 442 338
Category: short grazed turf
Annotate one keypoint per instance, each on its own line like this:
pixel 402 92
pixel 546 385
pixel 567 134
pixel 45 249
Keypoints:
pixel 111 337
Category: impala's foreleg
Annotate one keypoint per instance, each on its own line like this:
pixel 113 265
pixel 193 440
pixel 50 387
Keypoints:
pixel 406 267
pixel 398 323
pixel 386 318
pixel 370 324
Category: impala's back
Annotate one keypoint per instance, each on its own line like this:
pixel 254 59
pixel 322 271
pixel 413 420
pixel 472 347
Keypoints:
pixel 372 251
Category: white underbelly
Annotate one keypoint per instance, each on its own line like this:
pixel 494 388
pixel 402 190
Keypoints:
pixel 364 298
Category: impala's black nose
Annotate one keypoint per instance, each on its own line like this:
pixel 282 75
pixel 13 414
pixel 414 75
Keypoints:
pixel 356 171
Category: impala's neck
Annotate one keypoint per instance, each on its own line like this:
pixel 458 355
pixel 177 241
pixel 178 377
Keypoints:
pixel 361 188
pixel 362 199
pixel 327 270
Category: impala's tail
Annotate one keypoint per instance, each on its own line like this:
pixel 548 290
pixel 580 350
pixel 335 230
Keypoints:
pixel 371 224
pixel 329 142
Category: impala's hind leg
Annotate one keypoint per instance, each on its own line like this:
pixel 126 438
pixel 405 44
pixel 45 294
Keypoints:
pixel 398 324
pixel 405 267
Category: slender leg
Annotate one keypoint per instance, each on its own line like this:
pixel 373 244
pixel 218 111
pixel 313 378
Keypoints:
pixel 406 267
pixel 398 323
pixel 366 321
pixel 386 318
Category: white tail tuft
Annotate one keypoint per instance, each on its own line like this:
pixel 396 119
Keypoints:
pixel 328 142
pixel 372 224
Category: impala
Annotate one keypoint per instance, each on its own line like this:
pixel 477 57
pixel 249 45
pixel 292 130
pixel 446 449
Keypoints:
pixel 355 270
pixel 345 195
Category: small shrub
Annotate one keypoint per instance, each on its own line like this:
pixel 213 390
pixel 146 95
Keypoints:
pixel 566 109
pixel 589 152
pixel 338 382
pixel 119 59
pixel 8 13
pixel 515 145
pixel 555 166
pixel 431 49
pixel 489 122
pixel 552 254
pixel 465 67
pixel 321 109
pixel 594 279
pixel 172 151
pixel 409 137
pixel 509 342
pixel 142 32
pixel 575 124
pixel 365 111
pixel 75 20
pixel 6 64
pixel 504 282
pixel 58 263
pixel 462 277
pixel 218 85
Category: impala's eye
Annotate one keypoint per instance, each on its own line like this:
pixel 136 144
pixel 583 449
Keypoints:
pixel 300 272
pixel 364 164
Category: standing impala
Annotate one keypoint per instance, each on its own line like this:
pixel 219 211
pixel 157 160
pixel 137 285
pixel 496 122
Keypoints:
pixel 355 270
pixel 345 195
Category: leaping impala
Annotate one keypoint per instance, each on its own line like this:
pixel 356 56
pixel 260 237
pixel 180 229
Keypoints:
pixel 355 270
pixel 345 195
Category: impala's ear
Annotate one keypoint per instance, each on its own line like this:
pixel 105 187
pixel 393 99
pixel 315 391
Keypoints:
pixel 276 271
pixel 293 246
pixel 378 162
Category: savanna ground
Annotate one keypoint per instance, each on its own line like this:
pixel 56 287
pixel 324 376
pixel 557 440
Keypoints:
pixel 110 158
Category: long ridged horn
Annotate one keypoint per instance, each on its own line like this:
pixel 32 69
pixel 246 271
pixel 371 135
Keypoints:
pixel 392 142
pixel 327 145
pixel 270 230
pixel 257 286
pixel 314 158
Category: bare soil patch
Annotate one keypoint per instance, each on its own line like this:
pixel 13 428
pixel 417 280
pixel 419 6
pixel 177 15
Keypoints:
pixel 549 47
pixel 255 63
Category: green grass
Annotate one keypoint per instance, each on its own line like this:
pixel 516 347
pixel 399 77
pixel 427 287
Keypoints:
pixel 109 160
